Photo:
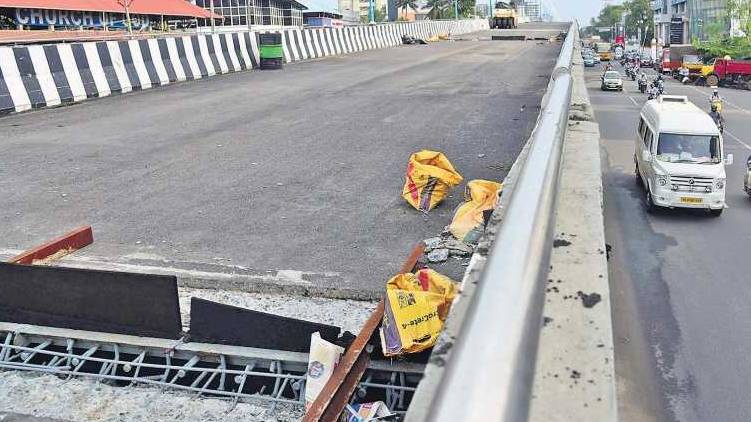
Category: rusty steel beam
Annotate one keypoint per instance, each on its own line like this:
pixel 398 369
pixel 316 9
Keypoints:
pixel 335 395
pixel 57 247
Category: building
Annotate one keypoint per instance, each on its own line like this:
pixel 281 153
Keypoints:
pixel 531 10
pixel 322 19
pixel 350 11
pixel 253 12
pixel 98 14
pixel 681 21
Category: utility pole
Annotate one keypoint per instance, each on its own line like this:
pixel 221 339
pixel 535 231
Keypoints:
pixel 126 5
pixel 371 11
pixel 213 24
pixel 456 9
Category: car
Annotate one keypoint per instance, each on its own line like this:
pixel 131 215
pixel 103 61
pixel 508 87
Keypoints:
pixel 612 80
pixel 645 61
pixel 596 58
pixel 589 61
pixel 679 156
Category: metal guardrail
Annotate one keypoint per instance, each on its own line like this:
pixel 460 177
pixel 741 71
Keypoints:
pixel 489 373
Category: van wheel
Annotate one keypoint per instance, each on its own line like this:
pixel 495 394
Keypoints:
pixel 649 204
pixel 716 213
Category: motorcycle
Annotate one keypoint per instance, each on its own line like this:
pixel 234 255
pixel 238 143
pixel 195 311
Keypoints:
pixel 653 93
pixel 660 85
pixel 633 75
pixel 642 86
pixel 719 121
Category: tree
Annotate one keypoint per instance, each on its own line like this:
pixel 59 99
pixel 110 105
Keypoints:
pixel 740 10
pixel 639 18
pixel 406 4
pixel 609 16
pixel 439 9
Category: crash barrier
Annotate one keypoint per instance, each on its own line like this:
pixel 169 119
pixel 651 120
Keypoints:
pixel 39 76
pixel 489 371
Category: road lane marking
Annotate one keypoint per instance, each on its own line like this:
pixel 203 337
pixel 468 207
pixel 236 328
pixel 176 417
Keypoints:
pixel 735 138
pixel 633 100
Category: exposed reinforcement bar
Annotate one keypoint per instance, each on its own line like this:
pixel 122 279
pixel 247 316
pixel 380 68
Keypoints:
pixel 237 374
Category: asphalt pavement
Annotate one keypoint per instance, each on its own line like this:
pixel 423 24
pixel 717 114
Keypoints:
pixel 298 170
pixel 682 320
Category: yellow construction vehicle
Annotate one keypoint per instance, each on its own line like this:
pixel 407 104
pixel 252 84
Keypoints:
pixel 504 15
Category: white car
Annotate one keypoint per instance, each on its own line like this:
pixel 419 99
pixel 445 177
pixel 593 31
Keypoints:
pixel 612 80
pixel 678 156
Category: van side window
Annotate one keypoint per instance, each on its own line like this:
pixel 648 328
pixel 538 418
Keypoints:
pixel 648 139
pixel 641 127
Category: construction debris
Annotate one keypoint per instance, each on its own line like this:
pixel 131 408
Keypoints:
pixel 470 218
pixel 323 358
pixel 409 40
pixel 362 412
pixel 415 309
pixel 429 177
pixel 438 255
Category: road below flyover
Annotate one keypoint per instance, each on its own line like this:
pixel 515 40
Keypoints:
pixel 679 279
pixel 291 175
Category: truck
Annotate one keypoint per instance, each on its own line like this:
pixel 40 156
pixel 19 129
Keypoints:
pixel 504 16
pixel 604 50
pixel 727 72
pixel 677 56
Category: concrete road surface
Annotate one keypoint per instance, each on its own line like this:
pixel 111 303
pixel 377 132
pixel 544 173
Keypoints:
pixel 296 171
pixel 680 280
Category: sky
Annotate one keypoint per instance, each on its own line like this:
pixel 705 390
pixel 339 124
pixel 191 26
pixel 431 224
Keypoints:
pixel 582 10
pixel 566 10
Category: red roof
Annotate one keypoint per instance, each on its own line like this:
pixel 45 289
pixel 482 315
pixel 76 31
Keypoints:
pixel 139 7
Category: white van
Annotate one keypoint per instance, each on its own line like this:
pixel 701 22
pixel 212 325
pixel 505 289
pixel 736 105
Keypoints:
pixel 679 156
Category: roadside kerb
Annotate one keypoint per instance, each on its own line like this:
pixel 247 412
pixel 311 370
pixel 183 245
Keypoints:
pixel 584 346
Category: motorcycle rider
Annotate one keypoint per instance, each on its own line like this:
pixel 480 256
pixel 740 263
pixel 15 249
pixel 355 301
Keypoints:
pixel 715 100
pixel 717 117
pixel 642 82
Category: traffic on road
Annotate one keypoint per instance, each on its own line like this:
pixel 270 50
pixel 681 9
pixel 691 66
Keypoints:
pixel 674 158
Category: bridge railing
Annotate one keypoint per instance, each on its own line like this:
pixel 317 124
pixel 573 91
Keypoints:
pixel 489 373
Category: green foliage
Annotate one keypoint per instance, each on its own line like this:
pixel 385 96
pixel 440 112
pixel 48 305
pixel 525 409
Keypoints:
pixel 741 10
pixel 440 9
pixel 737 48
pixel 640 17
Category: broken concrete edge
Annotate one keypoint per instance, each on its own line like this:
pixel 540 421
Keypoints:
pixel 587 260
pixel 210 276
pixel 575 372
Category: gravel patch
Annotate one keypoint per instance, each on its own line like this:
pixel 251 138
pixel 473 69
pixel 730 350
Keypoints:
pixel 84 400
pixel 350 315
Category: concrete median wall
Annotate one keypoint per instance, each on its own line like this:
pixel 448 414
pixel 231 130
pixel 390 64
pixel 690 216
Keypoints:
pixel 39 76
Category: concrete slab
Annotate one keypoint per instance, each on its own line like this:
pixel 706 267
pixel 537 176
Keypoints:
pixel 291 175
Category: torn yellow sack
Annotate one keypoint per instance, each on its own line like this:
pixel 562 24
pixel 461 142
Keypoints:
pixel 481 198
pixel 429 177
pixel 416 307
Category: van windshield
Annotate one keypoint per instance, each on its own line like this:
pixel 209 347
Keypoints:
pixel 679 148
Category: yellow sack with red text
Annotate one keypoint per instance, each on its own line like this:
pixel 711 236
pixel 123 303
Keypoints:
pixel 415 309
pixel 430 175
pixel 481 198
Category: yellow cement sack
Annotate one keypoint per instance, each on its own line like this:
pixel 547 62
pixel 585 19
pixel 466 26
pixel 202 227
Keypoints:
pixel 481 198
pixel 429 177
pixel 416 307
